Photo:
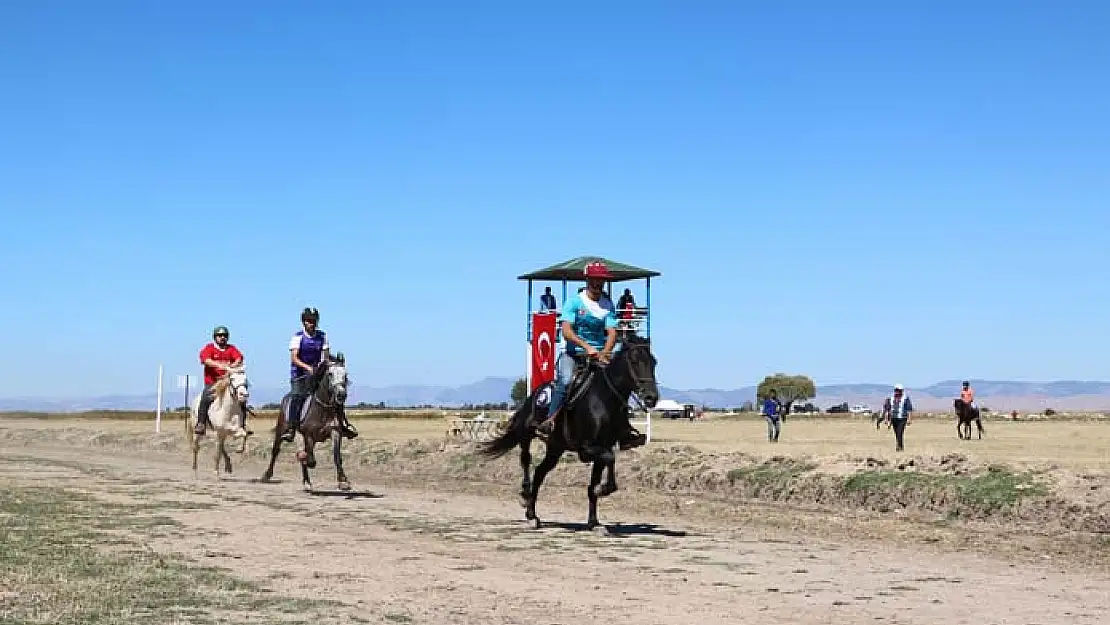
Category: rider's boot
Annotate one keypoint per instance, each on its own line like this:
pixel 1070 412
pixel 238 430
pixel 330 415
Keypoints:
pixel 292 421
pixel 348 430
pixel 630 438
pixel 547 426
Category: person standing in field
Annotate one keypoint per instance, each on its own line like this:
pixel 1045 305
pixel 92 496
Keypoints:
pixel 898 412
pixel 772 411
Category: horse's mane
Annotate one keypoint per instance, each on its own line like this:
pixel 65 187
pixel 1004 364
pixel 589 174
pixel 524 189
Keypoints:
pixel 220 386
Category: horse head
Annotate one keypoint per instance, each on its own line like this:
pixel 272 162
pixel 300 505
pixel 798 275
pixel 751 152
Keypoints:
pixel 640 363
pixel 335 378
pixel 235 381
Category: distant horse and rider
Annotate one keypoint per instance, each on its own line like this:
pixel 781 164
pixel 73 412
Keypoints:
pixel 966 412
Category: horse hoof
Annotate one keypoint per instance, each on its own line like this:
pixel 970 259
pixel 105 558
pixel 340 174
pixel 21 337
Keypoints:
pixel 598 528
pixel 534 523
pixel 343 486
pixel 307 487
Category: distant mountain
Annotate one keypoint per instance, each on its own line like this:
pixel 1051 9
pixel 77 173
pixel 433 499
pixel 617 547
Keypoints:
pixel 997 395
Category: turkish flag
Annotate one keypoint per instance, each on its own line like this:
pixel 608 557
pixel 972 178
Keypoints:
pixel 543 349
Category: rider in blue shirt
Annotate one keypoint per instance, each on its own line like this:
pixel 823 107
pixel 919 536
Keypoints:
pixel 589 325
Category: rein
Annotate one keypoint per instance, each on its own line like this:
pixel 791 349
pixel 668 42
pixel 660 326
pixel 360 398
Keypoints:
pixel 320 386
pixel 637 382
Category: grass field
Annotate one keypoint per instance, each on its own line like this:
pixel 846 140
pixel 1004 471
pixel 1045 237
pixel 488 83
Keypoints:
pixel 1075 443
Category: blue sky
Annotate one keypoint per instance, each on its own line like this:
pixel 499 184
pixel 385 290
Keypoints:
pixel 850 190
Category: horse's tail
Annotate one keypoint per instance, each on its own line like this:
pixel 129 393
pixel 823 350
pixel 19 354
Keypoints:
pixel 511 437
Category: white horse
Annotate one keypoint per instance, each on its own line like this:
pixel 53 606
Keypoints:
pixel 231 391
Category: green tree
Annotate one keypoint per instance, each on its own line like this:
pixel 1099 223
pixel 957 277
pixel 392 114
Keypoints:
pixel 519 392
pixel 789 388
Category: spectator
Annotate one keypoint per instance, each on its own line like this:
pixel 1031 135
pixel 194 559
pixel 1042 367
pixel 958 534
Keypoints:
pixel 626 300
pixel 772 411
pixel 898 410
pixel 547 301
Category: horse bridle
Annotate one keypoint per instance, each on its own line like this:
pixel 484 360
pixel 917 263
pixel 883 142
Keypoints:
pixel 330 393
pixel 637 382
pixel 235 387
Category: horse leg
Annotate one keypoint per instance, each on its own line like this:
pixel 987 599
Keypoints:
pixel 979 425
pixel 610 485
pixel 604 460
pixel 217 447
pixel 274 452
pixel 227 457
pixel 337 458
pixel 526 468
pixel 306 483
pixel 195 445
pixel 550 459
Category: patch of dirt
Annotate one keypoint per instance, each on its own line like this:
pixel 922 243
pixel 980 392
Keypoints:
pixel 924 488
pixel 430 555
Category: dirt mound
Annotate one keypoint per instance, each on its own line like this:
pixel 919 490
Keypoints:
pixel 949 488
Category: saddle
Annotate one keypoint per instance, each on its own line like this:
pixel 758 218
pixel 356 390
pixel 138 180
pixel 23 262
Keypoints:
pixel 576 389
pixel 287 403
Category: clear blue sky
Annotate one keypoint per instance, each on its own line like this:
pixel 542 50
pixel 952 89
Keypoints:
pixel 850 190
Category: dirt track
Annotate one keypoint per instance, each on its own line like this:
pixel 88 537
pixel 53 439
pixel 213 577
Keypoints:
pixel 436 555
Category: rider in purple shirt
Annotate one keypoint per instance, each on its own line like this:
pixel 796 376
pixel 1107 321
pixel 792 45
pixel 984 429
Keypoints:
pixel 307 349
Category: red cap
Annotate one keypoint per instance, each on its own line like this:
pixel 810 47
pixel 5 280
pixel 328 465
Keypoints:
pixel 597 270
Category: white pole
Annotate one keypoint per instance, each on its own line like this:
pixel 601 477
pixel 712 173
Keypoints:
pixel 528 369
pixel 158 410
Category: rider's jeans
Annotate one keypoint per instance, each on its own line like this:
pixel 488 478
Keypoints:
pixel 205 400
pixel 298 391
pixel 564 371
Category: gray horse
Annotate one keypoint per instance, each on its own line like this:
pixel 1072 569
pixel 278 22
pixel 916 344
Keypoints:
pixel 320 420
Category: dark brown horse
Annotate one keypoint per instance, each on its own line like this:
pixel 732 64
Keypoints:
pixel 319 421
pixel 965 414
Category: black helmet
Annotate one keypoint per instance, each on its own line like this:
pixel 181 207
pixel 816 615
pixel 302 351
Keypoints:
pixel 310 313
pixel 218 330
pixel 966 383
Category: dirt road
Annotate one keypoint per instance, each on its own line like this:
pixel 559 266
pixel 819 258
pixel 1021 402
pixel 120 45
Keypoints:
pixel 427 556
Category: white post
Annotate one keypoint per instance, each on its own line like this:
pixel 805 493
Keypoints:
pixel 158 410
pixel 647 428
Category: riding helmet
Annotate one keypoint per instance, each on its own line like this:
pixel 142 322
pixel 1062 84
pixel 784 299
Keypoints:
pixel 310 313
pixel 220 330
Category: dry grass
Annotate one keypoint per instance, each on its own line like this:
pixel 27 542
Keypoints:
pixel 68 559
pixel 1074 444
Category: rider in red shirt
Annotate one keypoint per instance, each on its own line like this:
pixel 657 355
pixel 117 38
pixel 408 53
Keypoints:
pixel 216 357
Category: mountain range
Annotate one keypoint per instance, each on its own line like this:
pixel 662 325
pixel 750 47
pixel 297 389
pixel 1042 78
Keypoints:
pixel 996 395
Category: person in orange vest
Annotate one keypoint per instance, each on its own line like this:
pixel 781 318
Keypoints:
pixel 968 395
